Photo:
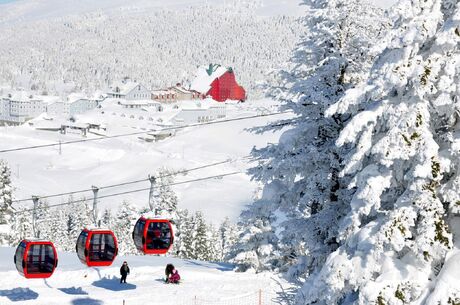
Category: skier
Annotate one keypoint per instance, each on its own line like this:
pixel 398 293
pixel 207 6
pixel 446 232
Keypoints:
pixel 172 275
pixel 124 271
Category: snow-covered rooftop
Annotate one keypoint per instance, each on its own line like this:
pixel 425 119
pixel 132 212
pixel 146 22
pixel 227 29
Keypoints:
pixel 124 87
pixel 205 76
pixel 73 97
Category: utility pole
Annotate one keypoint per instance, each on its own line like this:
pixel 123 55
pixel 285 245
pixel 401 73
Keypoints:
pixel 152 180
pixel 95 191
pixel 34 217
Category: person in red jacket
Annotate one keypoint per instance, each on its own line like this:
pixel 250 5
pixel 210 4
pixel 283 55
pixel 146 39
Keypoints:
pixel 172 275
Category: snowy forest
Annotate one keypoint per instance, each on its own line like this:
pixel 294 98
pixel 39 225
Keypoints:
pixel 158 48
pixel 360 201
pixel 194 237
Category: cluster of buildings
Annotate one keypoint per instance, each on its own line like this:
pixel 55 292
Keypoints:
pixel 214 82
pixel 21 106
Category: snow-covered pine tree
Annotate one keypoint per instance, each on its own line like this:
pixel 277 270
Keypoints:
pixel 296 220
pixel 228 237
pixel 107 219
pixel 77 216
pixel 215 244
pixel 22 226
pixel 43 217
pixel 183 241
pixel 6 209
pixel 201 243
pixel 124 222
pixel 58 233
pixel 404 166
pixel 164 199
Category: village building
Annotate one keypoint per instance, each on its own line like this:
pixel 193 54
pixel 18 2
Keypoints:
pixel 129 90
pixel 21 106
pixel 183 94
pixel 74 104
pixel 164 96
pixel 194 112
pixel 219 83
pixel 134 104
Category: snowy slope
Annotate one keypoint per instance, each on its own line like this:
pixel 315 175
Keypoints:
pixel 74 284
pixel 44 171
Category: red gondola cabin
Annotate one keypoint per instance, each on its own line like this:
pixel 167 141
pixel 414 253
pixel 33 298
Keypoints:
pixel 97 247
pixel 153 235
pixel 36 259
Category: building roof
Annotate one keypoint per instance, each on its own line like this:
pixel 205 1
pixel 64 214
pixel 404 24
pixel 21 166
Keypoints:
pixel 73 97
pixel 139 102
pixel 180 89
pixel 20 96
pixel 205 76
pixel 48 99
pixel 157 92
pixel 124 87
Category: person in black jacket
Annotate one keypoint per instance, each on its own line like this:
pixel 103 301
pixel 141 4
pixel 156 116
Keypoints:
pixel 124 271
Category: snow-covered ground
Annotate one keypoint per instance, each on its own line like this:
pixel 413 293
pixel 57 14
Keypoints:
pixel 75 284
pixel 44 171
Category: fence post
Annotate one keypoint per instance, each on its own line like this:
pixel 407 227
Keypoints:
pixel 95 191
pixel 260 296
pixel 34 216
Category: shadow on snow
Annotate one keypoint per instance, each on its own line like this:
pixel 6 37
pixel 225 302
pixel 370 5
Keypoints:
pixel 86 301
pixel 19 294
pixel 113 284
pixel 221 266
pixel 73 291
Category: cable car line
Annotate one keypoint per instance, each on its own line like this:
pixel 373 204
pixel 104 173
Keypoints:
pixel 134 181
pixel 141 132
pixel 129 192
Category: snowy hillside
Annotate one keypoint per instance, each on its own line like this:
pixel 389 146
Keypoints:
pixel 74 284
pixel 158 43
pixel 45 171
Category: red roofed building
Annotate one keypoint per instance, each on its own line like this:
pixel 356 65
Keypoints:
pixel 219 83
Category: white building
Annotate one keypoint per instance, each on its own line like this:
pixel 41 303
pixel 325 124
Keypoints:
pixel 73 105
pixel 21 106
pixel 129 90
pixel 141 104
pixel 193 112
pixel 78 104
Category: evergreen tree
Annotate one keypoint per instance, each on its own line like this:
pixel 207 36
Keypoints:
pixel 200 243
pixel 184 236
pixel 107 219
pixel 22 226
pixel 43 217
pixel 164 199
pixel 6 209
pixel 228 237
pixel 294 226
pixel 403 166
pixel 124 222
